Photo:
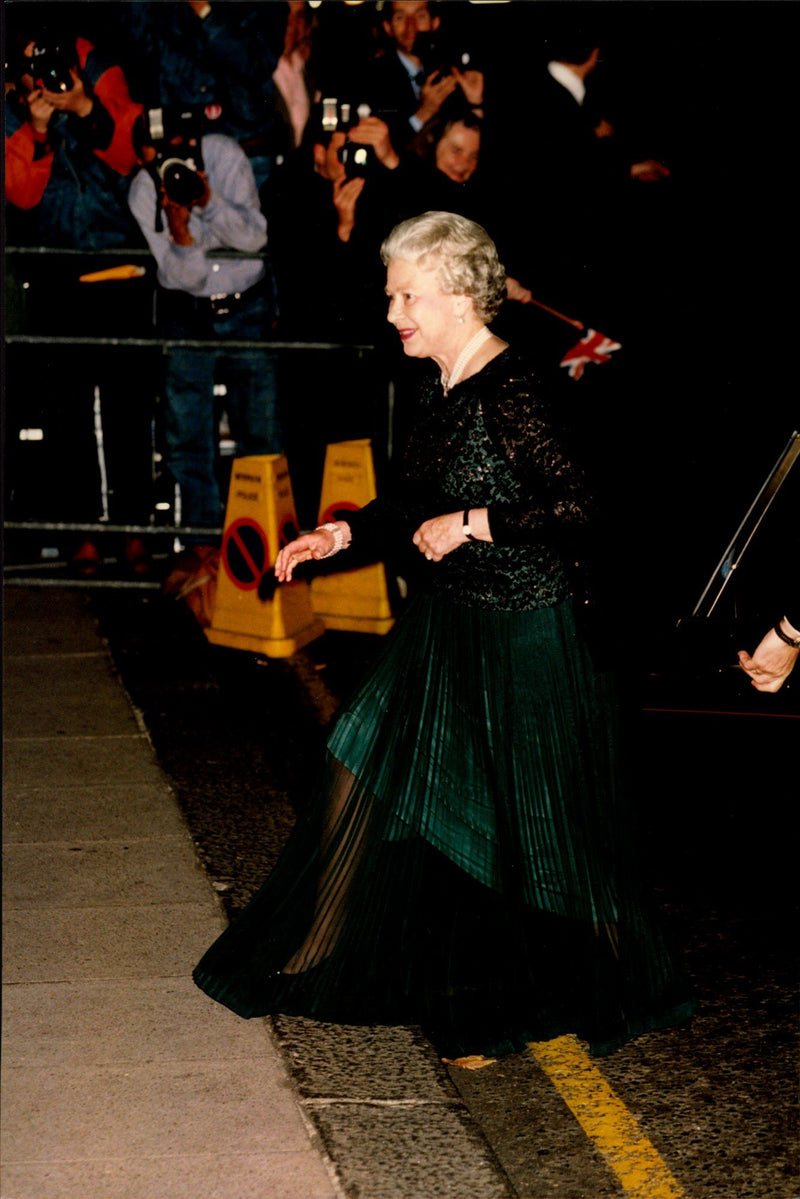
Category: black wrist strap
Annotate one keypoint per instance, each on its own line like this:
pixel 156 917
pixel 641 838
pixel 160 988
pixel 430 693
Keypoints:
pixel 465 526
pixel 794 642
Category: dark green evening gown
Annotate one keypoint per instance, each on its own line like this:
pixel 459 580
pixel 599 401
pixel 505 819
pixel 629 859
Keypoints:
pixel 467 864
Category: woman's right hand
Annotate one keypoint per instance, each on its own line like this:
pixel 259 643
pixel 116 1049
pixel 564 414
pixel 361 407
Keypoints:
pixel 311 546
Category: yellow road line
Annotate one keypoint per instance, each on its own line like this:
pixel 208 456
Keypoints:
pixel 606 1121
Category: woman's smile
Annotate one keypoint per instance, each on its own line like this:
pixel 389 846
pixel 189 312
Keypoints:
pixel 414 289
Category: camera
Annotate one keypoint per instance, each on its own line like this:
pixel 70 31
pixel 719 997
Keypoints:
pixel 438 58
pixel 181 179
pixel 50 67
pixel 175 134
pixel 339 116
pixel 358 160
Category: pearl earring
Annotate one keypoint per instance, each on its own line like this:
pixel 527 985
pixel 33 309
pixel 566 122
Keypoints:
pixel 461 320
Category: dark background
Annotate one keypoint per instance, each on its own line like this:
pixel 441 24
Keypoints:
pixel 689 418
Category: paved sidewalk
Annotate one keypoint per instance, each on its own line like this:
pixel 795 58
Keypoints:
pixel 120 1079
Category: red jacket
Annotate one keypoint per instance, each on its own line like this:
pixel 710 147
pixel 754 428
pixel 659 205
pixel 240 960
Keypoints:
pixel 28 155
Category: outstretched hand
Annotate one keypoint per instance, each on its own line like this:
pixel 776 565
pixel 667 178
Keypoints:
pixel 309 547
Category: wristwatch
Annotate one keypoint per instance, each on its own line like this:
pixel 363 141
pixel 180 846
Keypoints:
pixel 793 641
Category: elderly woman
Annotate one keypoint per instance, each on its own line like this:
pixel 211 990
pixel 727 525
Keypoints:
pixel 465 866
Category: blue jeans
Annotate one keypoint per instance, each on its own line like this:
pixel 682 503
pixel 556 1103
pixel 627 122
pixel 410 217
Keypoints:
pixel 190 419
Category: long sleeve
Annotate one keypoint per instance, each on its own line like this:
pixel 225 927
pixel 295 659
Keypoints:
pixel 28 163
pixel 111 90
pixel 108 130
pixel 231 220
pixel 233 216
pixel 555 490
pixel 490 443
pixel 180 268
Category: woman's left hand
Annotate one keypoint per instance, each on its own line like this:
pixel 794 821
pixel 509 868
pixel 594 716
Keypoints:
pixel 440 536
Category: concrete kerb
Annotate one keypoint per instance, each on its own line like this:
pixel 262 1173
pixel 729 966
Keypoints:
pixel 381 1112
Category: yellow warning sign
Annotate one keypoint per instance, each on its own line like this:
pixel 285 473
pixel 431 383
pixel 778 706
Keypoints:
pixel 352 600
pixel 250 611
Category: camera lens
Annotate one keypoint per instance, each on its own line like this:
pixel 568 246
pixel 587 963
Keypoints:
pixel 182 184
pixel 50 68
pixel 56 81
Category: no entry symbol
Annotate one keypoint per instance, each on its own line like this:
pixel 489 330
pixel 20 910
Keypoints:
pixel 245 553
pixel 287 531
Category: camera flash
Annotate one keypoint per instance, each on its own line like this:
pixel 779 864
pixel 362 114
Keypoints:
pixel 330 118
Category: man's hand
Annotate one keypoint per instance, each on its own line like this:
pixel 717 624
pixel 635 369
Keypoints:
pixel 471 84
pixel 75 101
pixel 435 91
pixel 603 129
pixel 178 214
pixel 372 131
pixel 345 197
pixel 178 221
pixel 649 170
pixel 40 110
pixel 771 663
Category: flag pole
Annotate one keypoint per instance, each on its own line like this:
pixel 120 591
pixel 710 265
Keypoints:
pixel 554 312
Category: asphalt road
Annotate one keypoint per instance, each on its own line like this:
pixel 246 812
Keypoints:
pixel 718 777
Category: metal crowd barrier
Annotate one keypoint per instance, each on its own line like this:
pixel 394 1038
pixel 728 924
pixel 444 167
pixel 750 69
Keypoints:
pixel 55 573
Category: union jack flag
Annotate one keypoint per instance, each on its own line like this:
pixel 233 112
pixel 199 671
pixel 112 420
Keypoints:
pixel 594 347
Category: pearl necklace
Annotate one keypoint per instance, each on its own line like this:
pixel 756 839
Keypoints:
pixel 469 351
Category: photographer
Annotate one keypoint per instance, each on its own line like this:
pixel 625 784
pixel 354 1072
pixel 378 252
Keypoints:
pixel 351 158
pixel 68 145
pixel 337 200
pixel 69 156
pixel 417 76
pixel 196 195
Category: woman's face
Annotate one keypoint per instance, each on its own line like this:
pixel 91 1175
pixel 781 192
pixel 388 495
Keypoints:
pixel 423 315
pixel 458 152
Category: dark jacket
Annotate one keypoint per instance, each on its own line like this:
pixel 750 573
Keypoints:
pixel 68 187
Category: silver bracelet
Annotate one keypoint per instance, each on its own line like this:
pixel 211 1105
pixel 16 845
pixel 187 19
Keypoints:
pixel 338 538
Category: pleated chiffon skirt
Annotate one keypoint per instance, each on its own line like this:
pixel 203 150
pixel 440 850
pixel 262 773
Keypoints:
pixel 467 862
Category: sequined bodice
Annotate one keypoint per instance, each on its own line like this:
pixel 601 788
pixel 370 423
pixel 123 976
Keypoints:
pixel 490 443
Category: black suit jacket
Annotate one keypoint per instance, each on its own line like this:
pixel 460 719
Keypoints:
pixel 391 96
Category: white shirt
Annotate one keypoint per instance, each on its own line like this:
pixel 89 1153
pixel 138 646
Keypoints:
pixel 568 79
